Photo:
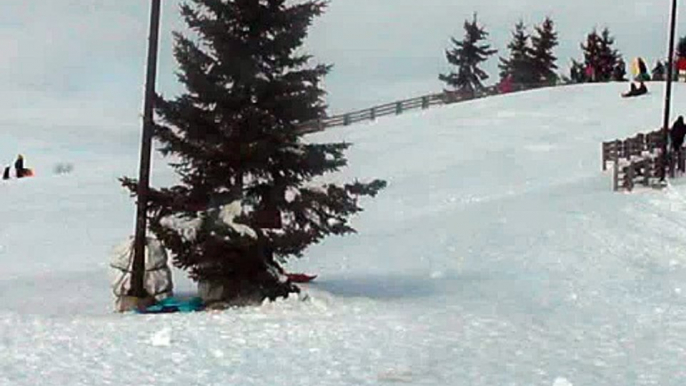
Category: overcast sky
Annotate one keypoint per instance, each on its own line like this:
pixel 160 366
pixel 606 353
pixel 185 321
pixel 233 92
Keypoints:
pixel 81 62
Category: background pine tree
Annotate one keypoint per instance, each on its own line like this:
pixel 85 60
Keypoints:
pixel 591 50
pixel 467 55
pixel 245 200
pixel 609 57
pixel 600 55
pixel 543 41
pixel 520 64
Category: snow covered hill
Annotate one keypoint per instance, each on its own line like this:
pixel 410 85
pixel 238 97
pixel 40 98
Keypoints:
pixel 498 255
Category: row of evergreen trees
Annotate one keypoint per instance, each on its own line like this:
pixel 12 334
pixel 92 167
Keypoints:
pixel 531 60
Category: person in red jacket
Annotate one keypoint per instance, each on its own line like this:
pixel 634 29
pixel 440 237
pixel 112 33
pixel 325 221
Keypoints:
pixel 505 86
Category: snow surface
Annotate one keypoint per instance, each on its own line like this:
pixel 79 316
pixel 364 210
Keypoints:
pixel 498 255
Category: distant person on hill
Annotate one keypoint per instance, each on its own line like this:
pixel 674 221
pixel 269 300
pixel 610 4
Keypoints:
pixel 676 136
pixel 19 168
pixel 6 174
pixel 659 71
pixel 636 91
pixel 590 73
pixel 642 89
pixel 506 85
pixel 677 133
pixel 641 70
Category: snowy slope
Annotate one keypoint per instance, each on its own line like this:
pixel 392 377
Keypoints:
pixel 498 255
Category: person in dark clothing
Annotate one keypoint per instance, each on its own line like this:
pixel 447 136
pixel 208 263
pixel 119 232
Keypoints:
pixel 676 135
pixel 19 166
pixel 642 89
pixel 642 71
pixel 636 91
pixel 659 71
pixel 6 174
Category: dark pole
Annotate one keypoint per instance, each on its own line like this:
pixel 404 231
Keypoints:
pixel 668 90
pixel 138 267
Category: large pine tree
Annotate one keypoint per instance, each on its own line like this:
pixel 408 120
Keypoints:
pixel 543 41
pixel 245 200
pixel 467 56
pixel 520 64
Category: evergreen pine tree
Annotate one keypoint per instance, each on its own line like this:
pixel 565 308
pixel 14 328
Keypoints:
pixel 520 64
pixel 609 57
pixel 592 55
pixel 245 200
pixel 599 55
pixel 467 55
pixel 543 42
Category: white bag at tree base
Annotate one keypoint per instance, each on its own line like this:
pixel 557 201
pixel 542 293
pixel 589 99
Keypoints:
pixel 157 279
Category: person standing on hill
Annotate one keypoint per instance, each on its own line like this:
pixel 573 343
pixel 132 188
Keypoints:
pixel 676 135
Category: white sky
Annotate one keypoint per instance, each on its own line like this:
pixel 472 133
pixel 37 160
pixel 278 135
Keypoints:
pixel 71 62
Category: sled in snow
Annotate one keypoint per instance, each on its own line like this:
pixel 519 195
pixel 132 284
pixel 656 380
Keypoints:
pixel 300 277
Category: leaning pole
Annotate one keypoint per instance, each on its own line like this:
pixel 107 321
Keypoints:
pixel 138 266
pixel 668 91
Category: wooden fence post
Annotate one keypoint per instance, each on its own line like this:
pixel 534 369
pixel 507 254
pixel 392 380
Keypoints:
pixel 629 177
pixel 398 108
pixel 604 150
pixel 615 176
pixel 372 115
pixel 425 102
pixel 346 119
pixel 646 171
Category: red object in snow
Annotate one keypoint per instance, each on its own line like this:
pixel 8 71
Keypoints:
pixel 681 64
pixel 300 277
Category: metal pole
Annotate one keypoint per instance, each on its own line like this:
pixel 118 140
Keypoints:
pixel 138 266
pixel 668 90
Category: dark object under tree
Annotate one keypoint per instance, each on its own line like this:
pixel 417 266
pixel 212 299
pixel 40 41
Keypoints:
pixel 235 137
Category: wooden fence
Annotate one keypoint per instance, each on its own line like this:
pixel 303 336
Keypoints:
pixel 633 146
pixel 637 169
pixel 398 107
pixel 639 159
pixel 370 114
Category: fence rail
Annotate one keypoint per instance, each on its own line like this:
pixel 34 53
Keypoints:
pixel 398 107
